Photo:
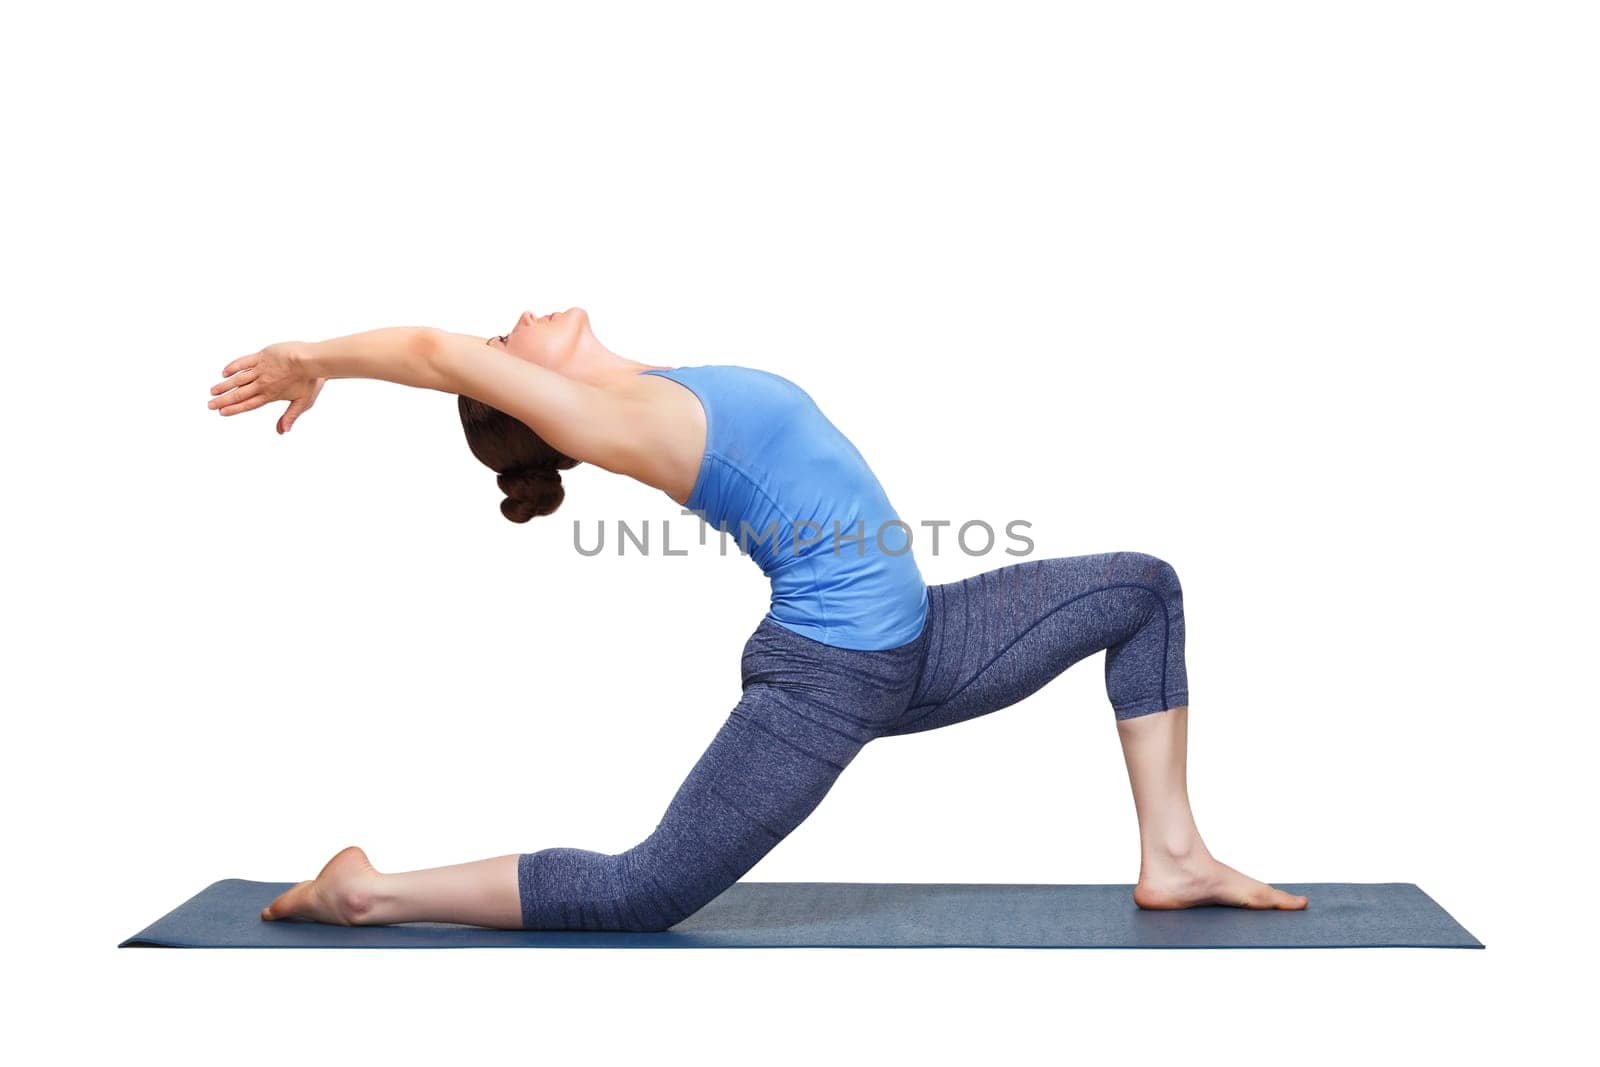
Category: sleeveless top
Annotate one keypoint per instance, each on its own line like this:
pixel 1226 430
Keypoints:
pixel 794 495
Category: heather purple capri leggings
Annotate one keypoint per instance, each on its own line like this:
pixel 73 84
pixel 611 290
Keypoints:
pixel 808 708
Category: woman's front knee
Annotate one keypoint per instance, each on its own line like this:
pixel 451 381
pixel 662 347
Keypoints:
pixel 1152 571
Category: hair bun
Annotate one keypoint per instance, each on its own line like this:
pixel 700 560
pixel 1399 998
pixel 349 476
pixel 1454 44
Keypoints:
pixel 502 443
pixel 530 491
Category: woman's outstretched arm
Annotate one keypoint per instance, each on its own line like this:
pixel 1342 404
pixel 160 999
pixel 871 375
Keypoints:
pixel 604 427
pixel 297 370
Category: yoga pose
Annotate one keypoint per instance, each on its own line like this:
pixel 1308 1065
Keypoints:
pixel 855 647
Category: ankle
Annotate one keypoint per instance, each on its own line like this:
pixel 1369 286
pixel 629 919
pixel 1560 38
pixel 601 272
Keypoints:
pixel 363 900
pixel 355 904
pixel 1174 848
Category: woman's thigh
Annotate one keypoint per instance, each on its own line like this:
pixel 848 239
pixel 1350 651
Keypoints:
pixel 1000 636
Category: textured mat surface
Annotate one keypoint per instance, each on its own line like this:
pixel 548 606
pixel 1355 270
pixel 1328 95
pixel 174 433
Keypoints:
pixel 875 915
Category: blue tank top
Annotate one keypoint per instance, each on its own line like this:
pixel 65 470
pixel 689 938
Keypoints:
pixel 796 497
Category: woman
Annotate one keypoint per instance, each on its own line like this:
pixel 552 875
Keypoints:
pixel 855 647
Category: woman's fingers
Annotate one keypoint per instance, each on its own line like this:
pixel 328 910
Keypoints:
pixel 247 375
pixel 244 392
pixel 296 408
pixel 247 405
pixel 241 363
pixel 240 372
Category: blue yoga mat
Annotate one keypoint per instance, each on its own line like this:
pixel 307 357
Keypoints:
pixel 874 915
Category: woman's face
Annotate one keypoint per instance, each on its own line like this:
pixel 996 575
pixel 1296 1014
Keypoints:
pixel 546 339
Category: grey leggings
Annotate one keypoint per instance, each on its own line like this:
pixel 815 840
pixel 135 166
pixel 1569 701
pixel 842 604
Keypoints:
pixel 808 708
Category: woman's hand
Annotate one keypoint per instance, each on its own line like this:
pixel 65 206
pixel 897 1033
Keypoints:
pixel 277 372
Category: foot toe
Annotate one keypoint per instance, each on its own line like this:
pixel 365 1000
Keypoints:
pixel 288 903
pixel 1287 901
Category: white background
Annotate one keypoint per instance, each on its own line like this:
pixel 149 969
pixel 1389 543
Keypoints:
pixel 1298 297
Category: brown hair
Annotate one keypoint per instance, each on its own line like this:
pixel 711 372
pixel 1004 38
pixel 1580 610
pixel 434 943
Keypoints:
pixel 529 468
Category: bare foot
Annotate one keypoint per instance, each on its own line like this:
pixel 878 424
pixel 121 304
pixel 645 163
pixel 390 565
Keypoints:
pixel 1195 879
pixel 343 893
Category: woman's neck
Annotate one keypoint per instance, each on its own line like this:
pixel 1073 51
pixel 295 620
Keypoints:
pixel 598 366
